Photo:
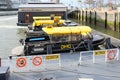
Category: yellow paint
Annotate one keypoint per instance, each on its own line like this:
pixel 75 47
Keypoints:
pixel 50 22
pixel 99 52
pixel 68 30
pixel 41 18
pixel 52 57
pixel 67 46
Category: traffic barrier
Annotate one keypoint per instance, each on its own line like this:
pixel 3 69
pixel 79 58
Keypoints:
pixel 35 63
pixel 86 56
pixel 112 54
pixel 86 79
pixel 99 56
pixel 107 55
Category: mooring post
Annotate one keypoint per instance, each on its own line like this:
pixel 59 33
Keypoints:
pixel 90 17
pixel 82 16
pixel 95 18
pixel 105 20
pixel 86 18
pixel 115 15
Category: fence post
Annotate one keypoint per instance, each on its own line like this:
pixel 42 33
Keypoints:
pixel 86 18
pixel 115 15
pixel 105 20
pixel 90 17
pixel 95 18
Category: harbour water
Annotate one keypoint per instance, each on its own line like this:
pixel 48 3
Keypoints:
pixel 70 69
pixel 102 29
pixel 10 34
pixel 107 31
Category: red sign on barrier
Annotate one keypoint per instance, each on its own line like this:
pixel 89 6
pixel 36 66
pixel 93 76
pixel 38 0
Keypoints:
pixel 37 61
pixel 21 62
pixel 111 54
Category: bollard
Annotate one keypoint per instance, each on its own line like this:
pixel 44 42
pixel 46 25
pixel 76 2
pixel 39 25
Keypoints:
pixel 95 18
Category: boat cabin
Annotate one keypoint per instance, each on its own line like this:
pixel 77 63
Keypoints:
pixel 26 12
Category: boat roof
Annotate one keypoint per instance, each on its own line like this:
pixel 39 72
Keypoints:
pixel 41 18
pixel 45 17
pixel 67 30
pixel 51 22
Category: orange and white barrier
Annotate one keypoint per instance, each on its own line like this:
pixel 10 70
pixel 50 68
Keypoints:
pixel 35 63
pixel 107 55
pixel 112 54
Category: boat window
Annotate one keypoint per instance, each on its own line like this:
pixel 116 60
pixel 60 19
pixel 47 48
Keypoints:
pixel 66 38
pixel 76 37
pixel 60 38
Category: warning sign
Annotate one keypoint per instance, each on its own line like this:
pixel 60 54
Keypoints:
pixel 37 60
pixel 111 54
pixel 99 52
pixel 21 62
pixel 52 57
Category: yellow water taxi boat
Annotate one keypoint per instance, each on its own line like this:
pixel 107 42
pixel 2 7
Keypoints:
pixel 62 39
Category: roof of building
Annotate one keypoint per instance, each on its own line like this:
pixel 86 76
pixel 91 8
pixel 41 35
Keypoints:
pixel 41 5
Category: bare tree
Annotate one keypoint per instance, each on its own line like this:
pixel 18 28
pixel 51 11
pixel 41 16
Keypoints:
pixel 90 2
pixel 99 3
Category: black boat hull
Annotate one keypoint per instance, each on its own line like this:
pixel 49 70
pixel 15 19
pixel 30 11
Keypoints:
pixel 37 48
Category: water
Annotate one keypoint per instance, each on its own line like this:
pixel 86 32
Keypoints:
pixel 107 31
pixel 10 34
pixel 103 30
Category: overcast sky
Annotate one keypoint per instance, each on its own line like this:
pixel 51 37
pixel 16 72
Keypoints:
pixel 73 3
